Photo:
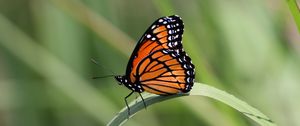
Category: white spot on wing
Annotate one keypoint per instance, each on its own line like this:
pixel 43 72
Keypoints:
pixel 184 66
pixel 175 43
pixel 169 44
pixel 148 36
pixel 180 60
pixel 188 72
pixel 188 80
pixel 153 26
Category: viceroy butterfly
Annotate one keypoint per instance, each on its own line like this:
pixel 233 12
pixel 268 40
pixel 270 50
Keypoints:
pixel 158 64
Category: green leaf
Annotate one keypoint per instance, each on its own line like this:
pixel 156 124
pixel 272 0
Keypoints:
pixel 295 11
pixel 198 90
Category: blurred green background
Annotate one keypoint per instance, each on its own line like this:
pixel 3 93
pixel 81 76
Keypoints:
pixel 250 49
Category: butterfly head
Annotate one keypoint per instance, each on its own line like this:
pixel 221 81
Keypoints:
pixel 121 79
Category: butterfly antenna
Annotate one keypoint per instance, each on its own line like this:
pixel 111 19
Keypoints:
pixel 95 62
pixel 103 76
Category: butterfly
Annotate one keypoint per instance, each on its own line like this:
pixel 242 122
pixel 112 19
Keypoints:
pixel 158 64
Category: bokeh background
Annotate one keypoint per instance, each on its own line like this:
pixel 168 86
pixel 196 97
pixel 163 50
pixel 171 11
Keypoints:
pixel 250 49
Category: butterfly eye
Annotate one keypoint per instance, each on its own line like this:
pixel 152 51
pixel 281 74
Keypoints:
pixel 120 79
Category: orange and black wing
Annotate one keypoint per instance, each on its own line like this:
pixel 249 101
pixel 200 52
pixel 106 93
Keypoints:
pixel 158 62
pixel 166 72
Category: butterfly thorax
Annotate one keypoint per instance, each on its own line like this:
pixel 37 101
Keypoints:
pixel 125 81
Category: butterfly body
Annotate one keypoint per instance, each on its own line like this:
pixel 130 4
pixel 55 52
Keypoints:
pixel 158 64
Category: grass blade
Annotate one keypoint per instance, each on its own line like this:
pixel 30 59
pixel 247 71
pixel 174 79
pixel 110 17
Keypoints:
pixel 198 90
pixel 295 11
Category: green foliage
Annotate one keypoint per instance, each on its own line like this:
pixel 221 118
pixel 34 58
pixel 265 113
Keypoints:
pixel 294 8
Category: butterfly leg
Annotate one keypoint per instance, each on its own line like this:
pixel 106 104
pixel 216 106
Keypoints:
pixel 128 109
pixel 143 101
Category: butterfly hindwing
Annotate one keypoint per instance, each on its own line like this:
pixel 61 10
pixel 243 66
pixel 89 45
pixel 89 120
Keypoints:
pixel 166 72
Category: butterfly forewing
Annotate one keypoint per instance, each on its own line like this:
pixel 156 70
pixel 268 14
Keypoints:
pixel 165 32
